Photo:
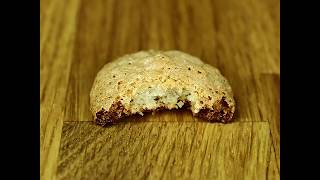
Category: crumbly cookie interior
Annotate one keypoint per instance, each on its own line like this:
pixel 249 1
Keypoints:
pixel 157 97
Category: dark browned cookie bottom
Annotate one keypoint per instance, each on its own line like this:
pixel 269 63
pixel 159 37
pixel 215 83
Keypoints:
pixel 220 113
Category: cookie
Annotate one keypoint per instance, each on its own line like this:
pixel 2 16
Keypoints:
pixel 155 80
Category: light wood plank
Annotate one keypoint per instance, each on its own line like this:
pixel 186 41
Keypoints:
pixel 166 150
pixel 56 44
pixel 270 107
pixel 248 36
pixel 273 170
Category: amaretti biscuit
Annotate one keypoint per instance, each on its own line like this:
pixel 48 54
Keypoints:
pixel 155 80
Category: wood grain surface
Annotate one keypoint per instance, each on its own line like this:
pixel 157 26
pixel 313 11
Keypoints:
pixel 241 38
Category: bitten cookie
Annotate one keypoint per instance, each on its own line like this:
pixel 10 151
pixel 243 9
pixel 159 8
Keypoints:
pixel 154 80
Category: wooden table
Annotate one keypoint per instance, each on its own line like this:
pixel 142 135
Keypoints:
pixel 240 37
